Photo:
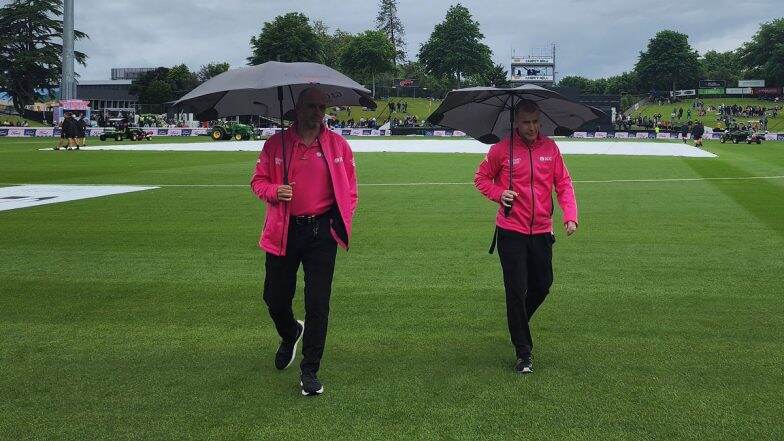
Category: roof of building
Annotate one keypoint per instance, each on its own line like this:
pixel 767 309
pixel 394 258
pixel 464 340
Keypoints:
pixel 103 82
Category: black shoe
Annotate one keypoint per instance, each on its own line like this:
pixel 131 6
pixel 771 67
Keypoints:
pixel 287 351
pixel 310 384
pixel 524 365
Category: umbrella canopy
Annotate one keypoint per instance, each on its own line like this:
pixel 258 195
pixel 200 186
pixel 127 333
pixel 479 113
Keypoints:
pixel 270 89
pixel 484 113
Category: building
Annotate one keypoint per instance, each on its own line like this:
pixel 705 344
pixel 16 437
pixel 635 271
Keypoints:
pixel 112 95
pixel 537 68
pixel 129 73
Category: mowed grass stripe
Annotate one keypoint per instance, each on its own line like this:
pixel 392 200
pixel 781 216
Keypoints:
pixel 140 315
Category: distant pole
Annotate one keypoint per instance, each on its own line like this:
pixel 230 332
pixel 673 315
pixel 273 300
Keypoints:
pixel 68 85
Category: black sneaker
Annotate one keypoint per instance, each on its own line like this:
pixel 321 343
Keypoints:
pixel 310 384
pixel 287 351
pixel 524 365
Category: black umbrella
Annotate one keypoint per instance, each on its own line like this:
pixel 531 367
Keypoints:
pixel 487 113
pixel 271 89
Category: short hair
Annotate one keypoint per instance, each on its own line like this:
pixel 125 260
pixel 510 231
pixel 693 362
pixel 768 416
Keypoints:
pixel 527 106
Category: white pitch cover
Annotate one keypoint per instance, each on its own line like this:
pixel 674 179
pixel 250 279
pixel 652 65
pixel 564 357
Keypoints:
pixel 442 145
pixel 23 196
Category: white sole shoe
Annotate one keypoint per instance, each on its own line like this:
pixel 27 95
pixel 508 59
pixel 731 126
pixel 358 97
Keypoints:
pixel 318 392
pixel 296 343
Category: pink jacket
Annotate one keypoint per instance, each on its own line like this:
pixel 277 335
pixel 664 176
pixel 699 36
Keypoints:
pixel 268 176
pixel 532 209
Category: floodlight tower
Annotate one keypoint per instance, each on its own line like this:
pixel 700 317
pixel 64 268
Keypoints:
pixel 68 84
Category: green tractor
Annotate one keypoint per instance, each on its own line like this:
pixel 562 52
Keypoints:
pixel 130 133
pixel 231 130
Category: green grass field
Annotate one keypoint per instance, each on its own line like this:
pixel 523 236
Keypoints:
pixel 139 316
pixel 6 120
pixel 421 107
pixel 711 120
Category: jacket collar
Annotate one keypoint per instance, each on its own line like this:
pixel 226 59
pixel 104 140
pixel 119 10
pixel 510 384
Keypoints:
pixel 519 142
pixel 294 136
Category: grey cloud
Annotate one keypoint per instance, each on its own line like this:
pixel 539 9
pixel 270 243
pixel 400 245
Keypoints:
pixel 593 38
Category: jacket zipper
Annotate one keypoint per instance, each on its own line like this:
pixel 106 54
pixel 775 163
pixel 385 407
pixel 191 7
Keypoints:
pixel 533 197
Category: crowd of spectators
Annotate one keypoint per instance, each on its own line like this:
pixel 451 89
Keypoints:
pixel 681 118
pixel 747 111
pixel 17 123
pixel 362 123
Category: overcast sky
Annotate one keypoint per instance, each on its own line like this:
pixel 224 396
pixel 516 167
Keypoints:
pixel 593 38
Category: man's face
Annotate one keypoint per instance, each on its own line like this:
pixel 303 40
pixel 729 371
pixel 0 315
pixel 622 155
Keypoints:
pixel 528 125
pixel 311 108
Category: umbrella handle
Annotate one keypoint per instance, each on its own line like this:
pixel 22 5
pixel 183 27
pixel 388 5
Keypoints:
pixel 282 138
pixel 508 209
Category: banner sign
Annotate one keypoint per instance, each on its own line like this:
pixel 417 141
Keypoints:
pixel 28 132
pixel 751 83
pixel 712 91
pixel 532 73
pixel 406 82
pixel 74 104
pixel 711 84
pixel 688 92
pixel 545 60
pixel 15 132
pixel 766 91
pixel 739 91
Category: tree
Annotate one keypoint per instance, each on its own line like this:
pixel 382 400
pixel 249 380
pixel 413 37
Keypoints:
pixel 669 63
pixel 30 54
pixel 455 47
pixel 164 84
pixel 496 76
pixel 332 46
pixel 764 54
pixel 289 38
pixel 158 92
pixel 367 55
pixel 431 85
pixel 721 66
pixel 181 80
pixel 626 82
pixel 389 23
pixel 149 87
pixel 581 83
pixel 210 70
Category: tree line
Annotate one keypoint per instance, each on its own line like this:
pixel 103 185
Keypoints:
pixel 670 63
pixel 454 55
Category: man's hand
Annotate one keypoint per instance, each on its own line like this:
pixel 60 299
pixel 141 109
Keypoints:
pixel 285 192
pixel 570 227
pixel 507 197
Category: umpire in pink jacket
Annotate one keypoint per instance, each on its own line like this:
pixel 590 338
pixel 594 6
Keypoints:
pixel 305 222
pixel 525 237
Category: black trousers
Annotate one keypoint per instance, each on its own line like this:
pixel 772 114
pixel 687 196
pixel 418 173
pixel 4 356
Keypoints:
pixel 311 245
pixel 527 264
